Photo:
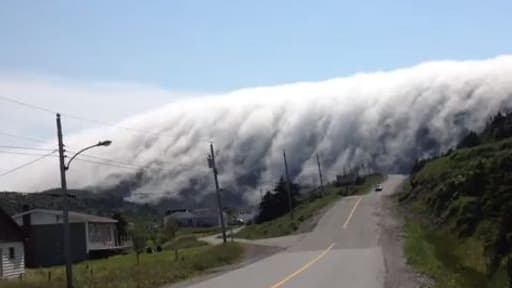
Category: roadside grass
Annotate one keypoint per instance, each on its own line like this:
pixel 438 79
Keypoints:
pixel 154 270
pixel 198 232
pixel 183 242
pixel 450 262
pixel 283 225
pixel 456 204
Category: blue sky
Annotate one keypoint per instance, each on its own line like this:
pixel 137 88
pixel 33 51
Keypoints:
pixel 225 45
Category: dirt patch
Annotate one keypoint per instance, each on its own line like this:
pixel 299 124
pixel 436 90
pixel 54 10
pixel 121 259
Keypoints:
pixel 398 273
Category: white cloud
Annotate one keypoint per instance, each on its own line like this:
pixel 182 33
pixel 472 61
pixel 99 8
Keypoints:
pixel 386 119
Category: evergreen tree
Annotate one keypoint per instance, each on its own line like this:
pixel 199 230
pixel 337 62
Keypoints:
pixel 275 204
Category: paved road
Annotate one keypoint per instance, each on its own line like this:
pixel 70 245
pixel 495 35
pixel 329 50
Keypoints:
pixel 342 251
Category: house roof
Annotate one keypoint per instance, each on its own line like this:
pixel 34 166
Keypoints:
pixel 204 212
pixel 10 230
pixel 182 215
pixel 72 215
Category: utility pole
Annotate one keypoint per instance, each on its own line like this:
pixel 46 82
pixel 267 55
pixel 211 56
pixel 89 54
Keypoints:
pixel 290 204
pixel 320 174
pixel 65 212
pixel 211 164
pixel 261 195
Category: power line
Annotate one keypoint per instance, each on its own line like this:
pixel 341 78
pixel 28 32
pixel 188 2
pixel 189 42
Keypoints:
pixel 24 148
pixel 25 153
pixel 27 164
pixel 109 164
pixel 80 118
pixel 32 106
pixel 26 138
pixel 105 162
pixel 21 153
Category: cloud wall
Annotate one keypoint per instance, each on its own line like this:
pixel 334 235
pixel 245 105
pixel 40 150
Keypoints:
pixel 384 120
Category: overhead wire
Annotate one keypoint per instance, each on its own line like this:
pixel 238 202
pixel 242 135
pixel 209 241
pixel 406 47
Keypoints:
pixel 26 164
pixel 20 153
pixel 26 138
pixel 13 147
pixel 104 161
pixel 81 118
pixel 109 164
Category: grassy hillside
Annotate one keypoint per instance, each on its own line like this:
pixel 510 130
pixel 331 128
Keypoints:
pixel 459 230
pixel 283 225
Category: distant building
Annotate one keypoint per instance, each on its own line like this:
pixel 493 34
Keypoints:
pixel 247 215
pixel 347 179
pixel 12 253
pixel 44 236
pixel 196 218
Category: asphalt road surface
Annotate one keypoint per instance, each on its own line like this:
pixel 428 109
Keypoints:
pixel 342 251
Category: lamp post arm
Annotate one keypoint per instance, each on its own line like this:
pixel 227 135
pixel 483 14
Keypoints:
pixel 79 152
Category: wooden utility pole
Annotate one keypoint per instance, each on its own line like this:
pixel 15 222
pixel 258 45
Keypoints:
pixel 65 209
pixel 320 175
pixel 211 164
pixel 290 204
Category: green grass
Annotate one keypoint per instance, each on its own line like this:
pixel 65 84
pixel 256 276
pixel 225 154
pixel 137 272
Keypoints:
pixel 183 242
pixel 198 232
pixel 283 225
pixel 450 262
pixel 154 270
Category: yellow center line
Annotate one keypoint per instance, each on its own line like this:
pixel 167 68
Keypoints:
pixel 352 212
pixel 303 268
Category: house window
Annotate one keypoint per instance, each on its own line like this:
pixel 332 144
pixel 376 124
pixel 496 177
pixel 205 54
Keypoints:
pixel 12 255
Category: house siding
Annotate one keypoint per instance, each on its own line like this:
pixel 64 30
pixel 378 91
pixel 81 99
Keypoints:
pixel 11 268
pixel 47 244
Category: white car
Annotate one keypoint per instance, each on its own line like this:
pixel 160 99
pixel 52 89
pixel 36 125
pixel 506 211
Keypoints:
pixel 378 188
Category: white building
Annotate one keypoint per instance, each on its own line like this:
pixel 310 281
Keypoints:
pixel 12 253
pixel 44 234
pixel 196 218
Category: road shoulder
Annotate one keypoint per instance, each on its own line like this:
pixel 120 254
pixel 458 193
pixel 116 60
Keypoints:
pixel 398 273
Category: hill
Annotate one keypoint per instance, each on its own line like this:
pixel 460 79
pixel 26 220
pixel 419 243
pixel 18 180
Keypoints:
pixel 464 200
pixel 103 204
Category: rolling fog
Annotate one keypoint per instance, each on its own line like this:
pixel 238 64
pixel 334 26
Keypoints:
pixel 382 120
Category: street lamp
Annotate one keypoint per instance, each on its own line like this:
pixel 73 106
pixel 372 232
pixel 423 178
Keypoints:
pixel 101 143
pixel 65 210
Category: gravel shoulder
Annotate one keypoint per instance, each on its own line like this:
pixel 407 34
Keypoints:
pixel 398 273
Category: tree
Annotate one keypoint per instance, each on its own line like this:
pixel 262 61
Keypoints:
pixel 470 140
pixel 169 231
pixel 276 204
pixel 121 227
pixel 170 228
pixel 138 236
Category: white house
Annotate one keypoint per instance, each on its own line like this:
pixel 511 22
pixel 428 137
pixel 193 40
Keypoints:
pixel 12 253
pixel 90 236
